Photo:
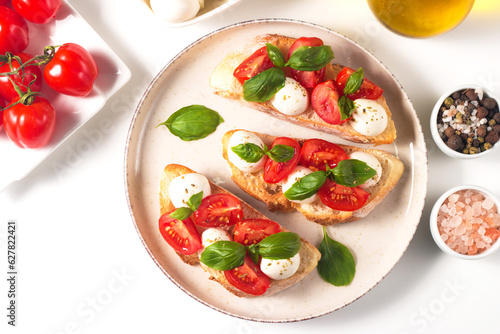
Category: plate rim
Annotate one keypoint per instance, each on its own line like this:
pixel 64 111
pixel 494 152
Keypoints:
pixel 418 128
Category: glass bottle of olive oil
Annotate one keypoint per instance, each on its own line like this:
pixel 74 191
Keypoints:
pixel 421 18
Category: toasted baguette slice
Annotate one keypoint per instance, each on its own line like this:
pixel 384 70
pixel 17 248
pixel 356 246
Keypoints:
pixel 309 255
pixel 272 195
pixel 226 85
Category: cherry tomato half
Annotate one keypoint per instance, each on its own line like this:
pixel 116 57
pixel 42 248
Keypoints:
pixel 30 126
pixel 14 31
pixel 22 79
pixel 308 79
pixel 72 71
pixel 338 197
pixel 274 171
pixel 37 11
pixel 368 89
pixel 317 153
pixel 248 278
pixel 324 100
pixel 218 210
pixel 258 62
pixel 252 231
pixel 181 235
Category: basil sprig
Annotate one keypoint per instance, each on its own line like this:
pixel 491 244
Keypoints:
pixel 252 153
pixel 193 122
pixel 227 255
pixel 353 83
pixel 349 173
pixel 266 84
pixel 193 204
pixel 336 265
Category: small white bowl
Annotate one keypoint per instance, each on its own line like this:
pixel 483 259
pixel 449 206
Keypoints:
pixel 434 130
pixel 434 227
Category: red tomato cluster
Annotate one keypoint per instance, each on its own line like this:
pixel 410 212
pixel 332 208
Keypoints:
pixel 28 118
pixel 324 94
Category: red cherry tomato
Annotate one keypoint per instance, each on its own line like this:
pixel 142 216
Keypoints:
pixel 248 278
pixel 14 31
pixel 338 197
pixel 308 79
pixel 317 153
pixel 258 62
pixel 2 105
pixel 22 79
pixel 368 89
pixel 181 235
pixel 252 231
pixel 4 2
pixel 72 71
pixel 30 126
pixel 324 100
pixel 37 11
pixel 274 171
pixel 218 210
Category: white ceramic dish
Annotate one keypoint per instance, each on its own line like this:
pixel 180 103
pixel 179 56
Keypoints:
pixel 435 133
pixel 212 7
pixel 434 226
pixel 72 112
pixel 377 241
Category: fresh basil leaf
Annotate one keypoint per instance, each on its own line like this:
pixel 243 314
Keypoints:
pixel 306 186
pixel 181 213
pixel 193 122
pixel 354 82
pixel 194 201
pixel 310 58
pixel 275 55
pixel 253 253
pixel 281 153
pixel 346 106
pixel 336 265
pixel 352 172
pixel 282 245
pixel 264 85
pixel 249 152
pixel 224 255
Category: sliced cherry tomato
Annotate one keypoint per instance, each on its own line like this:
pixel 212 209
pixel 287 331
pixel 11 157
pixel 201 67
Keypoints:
pixel 274 171
pixel 30 126
pixel 218 210
pixel 72 71
pixel 22 79
pixel 39 11
pixel 258 62
pixel 181 235
pixel 317 153
pixel 368 89
pixel 248 278
pixel 252 231
pixel 324 100
pixel 14 31
pixel 308 79
pixel 338 197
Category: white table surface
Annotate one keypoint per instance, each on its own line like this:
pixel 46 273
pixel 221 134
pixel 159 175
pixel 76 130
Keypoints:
pixel 83 269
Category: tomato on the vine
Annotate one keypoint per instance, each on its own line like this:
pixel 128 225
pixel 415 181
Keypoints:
pixel 275 171
pixel 32 125
pixel 14 31
pixel 72 71
pixel 218 210
pixel 252 231
pixel 22 79
pixel 368 89
pixel 40 11
pixel 248 278
pixel 317 153
pixel 258 62
pixel 2 105
pixel 339 197
pixel 4 2
pixel 308 79
pixel 181 235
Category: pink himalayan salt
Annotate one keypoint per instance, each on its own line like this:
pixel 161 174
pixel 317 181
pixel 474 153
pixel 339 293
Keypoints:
pixel 468 222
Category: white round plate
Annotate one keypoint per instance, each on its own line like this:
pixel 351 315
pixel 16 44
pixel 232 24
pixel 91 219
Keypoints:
pixel 377 242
